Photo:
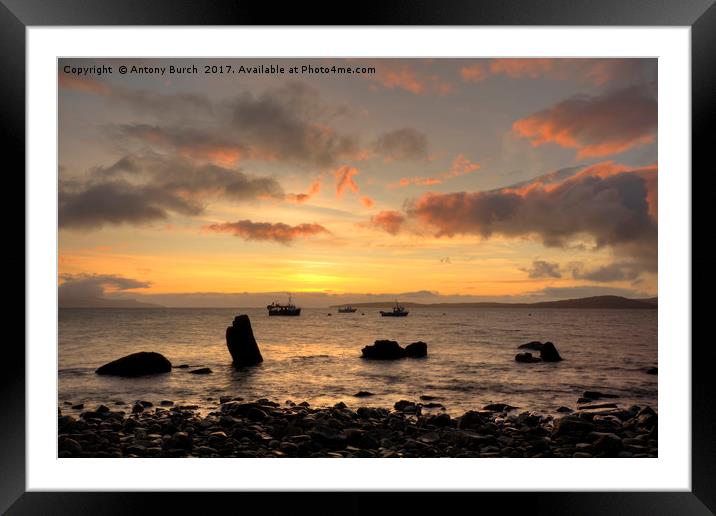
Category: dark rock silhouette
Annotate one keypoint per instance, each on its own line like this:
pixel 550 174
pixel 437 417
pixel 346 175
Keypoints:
pixel 391 350
pixel 203 370
pixel 535 345
pixel 526 358
pixel 241 342
pixel 362 394
pixel 383 350
pixel 549 353
pixel 498 407
pixel 596 395
pixel 416 350
pixel 137 364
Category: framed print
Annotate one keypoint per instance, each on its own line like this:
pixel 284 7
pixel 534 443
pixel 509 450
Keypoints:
pixel 423 252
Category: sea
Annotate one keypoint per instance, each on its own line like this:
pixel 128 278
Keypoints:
pixel 316 357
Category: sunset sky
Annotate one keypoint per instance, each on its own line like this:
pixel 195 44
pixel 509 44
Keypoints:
pixel 432 180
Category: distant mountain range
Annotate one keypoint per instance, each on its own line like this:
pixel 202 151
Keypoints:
pixel 102 302
pixel 584 302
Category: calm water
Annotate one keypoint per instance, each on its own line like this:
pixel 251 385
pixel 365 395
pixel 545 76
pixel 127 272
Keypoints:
pixel 316 358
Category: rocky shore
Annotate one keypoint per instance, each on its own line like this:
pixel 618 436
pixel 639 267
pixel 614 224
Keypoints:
pixel 264 428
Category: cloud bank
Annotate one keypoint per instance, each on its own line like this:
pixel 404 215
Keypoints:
pixel 138 190
pixel 595 126
pixel 277 231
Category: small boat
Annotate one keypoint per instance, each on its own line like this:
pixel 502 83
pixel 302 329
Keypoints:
pixel 287 309
pixel 398 311
pixel 348 309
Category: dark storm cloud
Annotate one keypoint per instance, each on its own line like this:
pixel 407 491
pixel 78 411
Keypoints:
pixel 88 286
pixel 542 269
pixel 137 190
pixel 402 144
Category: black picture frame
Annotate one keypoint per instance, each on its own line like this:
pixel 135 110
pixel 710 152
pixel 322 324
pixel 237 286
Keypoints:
pixel 17 15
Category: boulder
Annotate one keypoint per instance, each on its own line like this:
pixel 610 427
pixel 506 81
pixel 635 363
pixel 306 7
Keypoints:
pixel 470 419
pixel 203 370
pixel 241 342
pixel 571 426
pixel 403 404
pixel 535 345
pixel 596 395
pixel 498 407
pixel 416 350
pixel 549 353
pixel 383 350
pixel 137 364
pixel 526 358
pixel 363 394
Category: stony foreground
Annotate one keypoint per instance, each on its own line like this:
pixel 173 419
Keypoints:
pixel 266 429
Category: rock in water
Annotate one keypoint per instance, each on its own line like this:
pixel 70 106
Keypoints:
pixel 137 364
pixel 526 358
pixel 416 350
pixel 383 350
pixel 549 353
pixel 241 342
pixel 534 345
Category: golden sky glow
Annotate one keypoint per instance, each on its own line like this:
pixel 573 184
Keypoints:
pixel 450 179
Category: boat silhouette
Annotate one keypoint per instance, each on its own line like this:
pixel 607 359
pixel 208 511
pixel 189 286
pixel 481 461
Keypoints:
pixel 397 311
pixel 287 309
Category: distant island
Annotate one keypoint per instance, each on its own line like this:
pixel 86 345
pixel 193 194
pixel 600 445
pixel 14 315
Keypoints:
pixel 584 302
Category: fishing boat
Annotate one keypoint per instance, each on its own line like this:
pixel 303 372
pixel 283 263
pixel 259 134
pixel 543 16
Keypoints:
pixel 348 309
pixel 397 311
pixel 287 309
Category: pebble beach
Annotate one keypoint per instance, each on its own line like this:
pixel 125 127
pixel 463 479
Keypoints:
pixel 264 428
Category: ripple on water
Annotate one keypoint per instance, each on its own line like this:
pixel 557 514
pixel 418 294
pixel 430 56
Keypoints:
pixel 317 358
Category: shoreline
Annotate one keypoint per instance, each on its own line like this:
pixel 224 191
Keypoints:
pixel 264 428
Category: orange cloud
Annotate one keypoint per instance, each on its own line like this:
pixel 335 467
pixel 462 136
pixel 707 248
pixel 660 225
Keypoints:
pixel 344 179
pixel 594 125
pixel 550 182
pixel 390 221
pixel 83 84
pixel 594 71
pixel 474 73
pixel 367 201
pixel 461 165
pixel 406 77
pixel 278 232
pixel 612 204
pixel 518 68
pixel 303 197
